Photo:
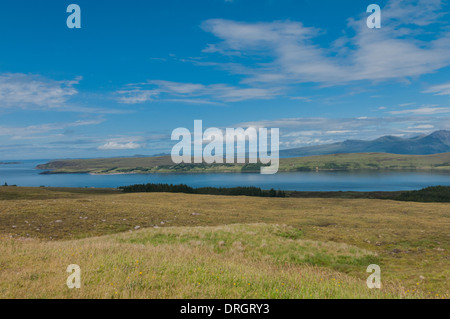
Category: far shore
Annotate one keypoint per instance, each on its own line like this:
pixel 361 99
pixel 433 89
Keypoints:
pixel 334 162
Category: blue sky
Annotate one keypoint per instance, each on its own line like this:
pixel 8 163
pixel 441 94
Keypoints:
pixel 136 70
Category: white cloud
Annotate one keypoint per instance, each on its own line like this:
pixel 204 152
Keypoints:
pixel 301 98
pixel 191 92
pixel 392 52
pixel 424 111
pixel 284 53
pixel 298 132
pixel 442 89
pixel 338 132
pixel 33 131
pixel 119 146
pixel 424 126
pixel 135 96
pixel 28 90
pixel 417 12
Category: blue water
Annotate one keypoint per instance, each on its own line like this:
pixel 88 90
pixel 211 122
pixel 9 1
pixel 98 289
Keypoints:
pixel 24 174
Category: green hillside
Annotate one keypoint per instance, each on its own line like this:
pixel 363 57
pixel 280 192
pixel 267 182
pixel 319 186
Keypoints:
pixel 164 164
pixel 366 161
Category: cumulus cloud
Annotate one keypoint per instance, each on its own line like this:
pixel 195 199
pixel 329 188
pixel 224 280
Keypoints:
pixel 28 90
pixel 119 146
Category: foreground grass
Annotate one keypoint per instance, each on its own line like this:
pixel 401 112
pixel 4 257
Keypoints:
pixel 41 226
pixel 238 261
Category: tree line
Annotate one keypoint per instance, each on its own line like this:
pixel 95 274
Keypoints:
pixel 182 188
pixel 429 194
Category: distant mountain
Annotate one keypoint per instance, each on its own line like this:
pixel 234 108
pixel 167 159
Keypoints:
pixel 437 142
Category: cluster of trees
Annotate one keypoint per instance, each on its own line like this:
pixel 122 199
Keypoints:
pixel 429 194
pixel 182 188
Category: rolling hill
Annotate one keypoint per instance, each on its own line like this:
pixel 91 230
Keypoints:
pixel 342 162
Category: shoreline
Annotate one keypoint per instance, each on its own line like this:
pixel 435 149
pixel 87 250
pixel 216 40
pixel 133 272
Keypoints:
pixel 328 163
pixel 430 169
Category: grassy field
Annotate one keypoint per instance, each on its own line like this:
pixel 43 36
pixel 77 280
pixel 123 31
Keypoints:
pixel 164 164
pixel 163 245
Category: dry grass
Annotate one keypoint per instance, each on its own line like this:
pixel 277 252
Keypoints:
pixel 409 240
pixel 153 264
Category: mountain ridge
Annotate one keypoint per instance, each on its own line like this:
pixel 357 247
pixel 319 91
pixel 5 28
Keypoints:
pixel 434 143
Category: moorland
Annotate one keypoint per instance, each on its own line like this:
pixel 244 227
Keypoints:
pixel 176 245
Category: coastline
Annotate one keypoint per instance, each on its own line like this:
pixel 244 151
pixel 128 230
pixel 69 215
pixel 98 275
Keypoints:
pixel 337 162
pixel 425 169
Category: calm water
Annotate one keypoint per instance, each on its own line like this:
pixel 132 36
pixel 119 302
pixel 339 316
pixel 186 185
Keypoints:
pixel 24 174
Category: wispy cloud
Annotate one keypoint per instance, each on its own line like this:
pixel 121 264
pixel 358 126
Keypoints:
pixel 442 89
pixel 136 95
pixel 192 92
pixel 297 132
pixel 406 12
pixel 33 131
pixel 127 142
pixel 392 52
pixel 28 90
pixel 119 146
pixel 424 111
pixel 274 56
pixel 32 91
